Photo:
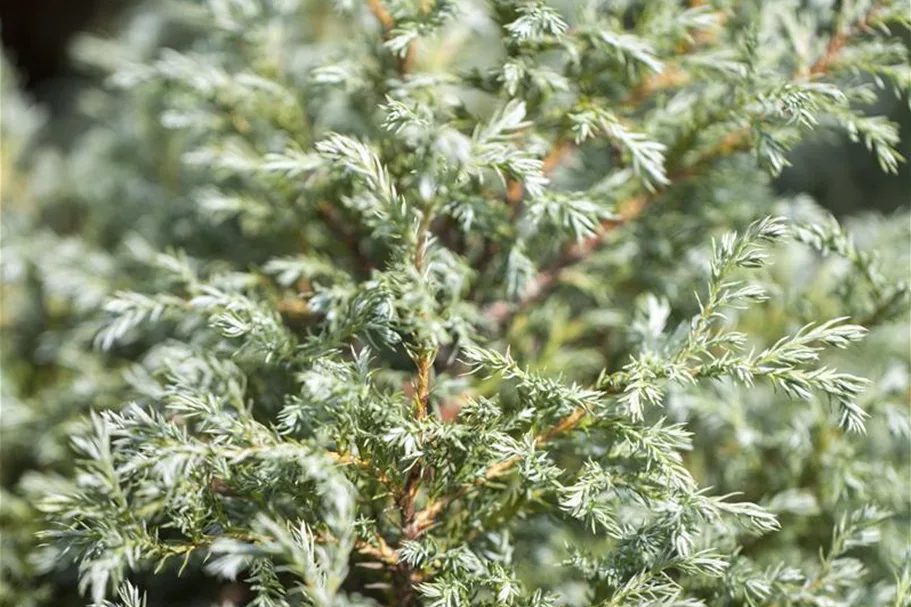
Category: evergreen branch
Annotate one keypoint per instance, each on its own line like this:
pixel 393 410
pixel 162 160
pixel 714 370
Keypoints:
pixel 833 238
pixel 501 311
pixel 426 518
pixel 379 10
pixel 258 448
pixel 781 363
pixel 668 77
pixel 424 361
pixel 674 75
pixel 840 39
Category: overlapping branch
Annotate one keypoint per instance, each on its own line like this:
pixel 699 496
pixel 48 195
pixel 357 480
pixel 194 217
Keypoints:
pixel 427 517
pixel 379 10
pixel 499 312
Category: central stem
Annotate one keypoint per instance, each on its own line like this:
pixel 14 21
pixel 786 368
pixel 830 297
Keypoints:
pixel 405 575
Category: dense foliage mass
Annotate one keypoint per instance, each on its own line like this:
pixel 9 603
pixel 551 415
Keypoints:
pixel 422 302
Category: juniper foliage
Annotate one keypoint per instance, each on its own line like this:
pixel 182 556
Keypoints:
pixel 457 303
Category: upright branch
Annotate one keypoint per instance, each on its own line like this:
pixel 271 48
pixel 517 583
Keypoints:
pixel 426 355
pixel 405 574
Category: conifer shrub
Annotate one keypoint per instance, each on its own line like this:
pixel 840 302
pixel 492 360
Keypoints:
pixel 434 303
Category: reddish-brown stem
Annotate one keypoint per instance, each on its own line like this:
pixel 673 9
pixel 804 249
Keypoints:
pixel 839 40
pixel 565 425
pixel 669 77
pixel 500 311
pixel 836 43
pixel 405 574
pixel 379 10
pixel 422 384
pixel 346 459
pixel 382 553
pixel 560 149
pixel 426 517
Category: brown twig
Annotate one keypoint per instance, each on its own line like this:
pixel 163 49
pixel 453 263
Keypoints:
pixel 293 307
pixel 834 46
pixel 426 517
pixel 514 193
pixel 409 494
pixel 674 75
pixel 627 210
pixel 406 63
pixel 407 499
pixel 669 77
pixel 566 424
pixel 422 392
pixel 560 149
pixel 500 311
pixel 839 40
pixel 405 574
pixel 382 552
pixel 346 459
pixel 379 10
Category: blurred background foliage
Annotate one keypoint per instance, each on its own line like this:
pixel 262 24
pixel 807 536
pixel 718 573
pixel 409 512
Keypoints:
pixel 841 175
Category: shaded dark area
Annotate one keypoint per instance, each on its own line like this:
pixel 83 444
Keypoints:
pixel 36 35
pixel 844 176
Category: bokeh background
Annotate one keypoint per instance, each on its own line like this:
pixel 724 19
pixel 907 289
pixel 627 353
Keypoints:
pixel 841 175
